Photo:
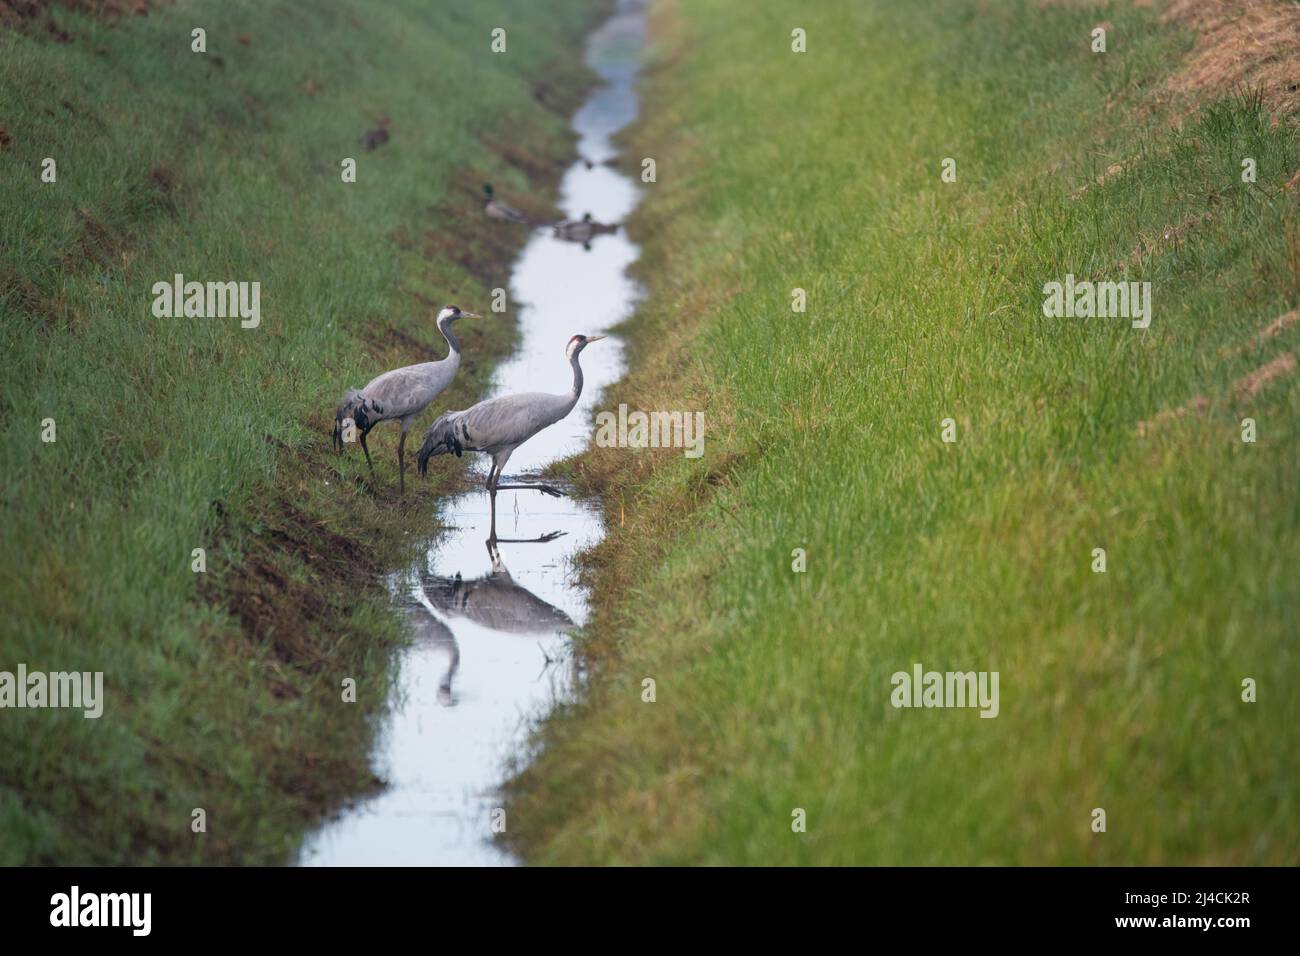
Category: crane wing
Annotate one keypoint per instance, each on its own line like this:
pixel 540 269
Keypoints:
pixel 406 391
pixel 510 419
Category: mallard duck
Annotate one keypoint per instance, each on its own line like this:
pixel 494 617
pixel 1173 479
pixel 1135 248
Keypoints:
pixel 581 230
pixel 499 210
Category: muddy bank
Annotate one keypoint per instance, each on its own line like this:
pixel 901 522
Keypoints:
pixel 223 680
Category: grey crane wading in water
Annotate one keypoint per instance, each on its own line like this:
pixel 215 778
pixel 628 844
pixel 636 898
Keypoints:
pixel 401 394
pixel 498 426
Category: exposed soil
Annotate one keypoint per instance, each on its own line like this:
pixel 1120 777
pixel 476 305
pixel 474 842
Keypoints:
pixel 1113 170
pixel 1245 388
pixel 1196 406
pixel 19 10
pixel 295 616
pixel 1279 325
pixel 1170 235
pixel 37 16
pixel 1252 384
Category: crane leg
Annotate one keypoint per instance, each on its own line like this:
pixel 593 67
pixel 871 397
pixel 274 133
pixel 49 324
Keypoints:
pixel 494 475
pixel 366 449
pixel 401 463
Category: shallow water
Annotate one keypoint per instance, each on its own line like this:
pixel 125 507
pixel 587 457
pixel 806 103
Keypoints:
pixel 489 644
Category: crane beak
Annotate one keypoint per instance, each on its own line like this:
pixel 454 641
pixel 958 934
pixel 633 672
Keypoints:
pixel 470 315
pixel 594 338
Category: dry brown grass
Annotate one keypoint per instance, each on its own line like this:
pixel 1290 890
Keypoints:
pixel 1239 43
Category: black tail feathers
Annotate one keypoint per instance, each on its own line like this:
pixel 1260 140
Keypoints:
pixel 361 412
pixel 439 440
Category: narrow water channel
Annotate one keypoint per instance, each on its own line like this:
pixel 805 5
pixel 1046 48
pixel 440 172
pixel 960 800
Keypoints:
pixel 488 653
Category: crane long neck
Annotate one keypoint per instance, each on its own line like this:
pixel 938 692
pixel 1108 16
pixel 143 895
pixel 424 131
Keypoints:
pixel 577 377
pixel 452 342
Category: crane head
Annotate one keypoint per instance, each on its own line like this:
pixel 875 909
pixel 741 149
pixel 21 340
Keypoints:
pixel 451 313
pixel 580 342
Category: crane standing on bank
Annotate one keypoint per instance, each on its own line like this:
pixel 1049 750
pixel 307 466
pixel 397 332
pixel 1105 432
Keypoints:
pixel 401 394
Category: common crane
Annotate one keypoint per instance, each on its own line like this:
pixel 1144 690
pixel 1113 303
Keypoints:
pixel 498 426
pixel 401 394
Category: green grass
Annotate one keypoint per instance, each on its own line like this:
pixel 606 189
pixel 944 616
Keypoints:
pixel 1118 690
pixel 223 689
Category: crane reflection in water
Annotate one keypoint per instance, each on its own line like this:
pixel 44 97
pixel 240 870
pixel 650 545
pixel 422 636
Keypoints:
pixel 494 601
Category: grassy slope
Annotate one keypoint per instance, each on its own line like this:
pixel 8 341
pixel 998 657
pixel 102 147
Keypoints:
pixel 223 689
pixel 1118 690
